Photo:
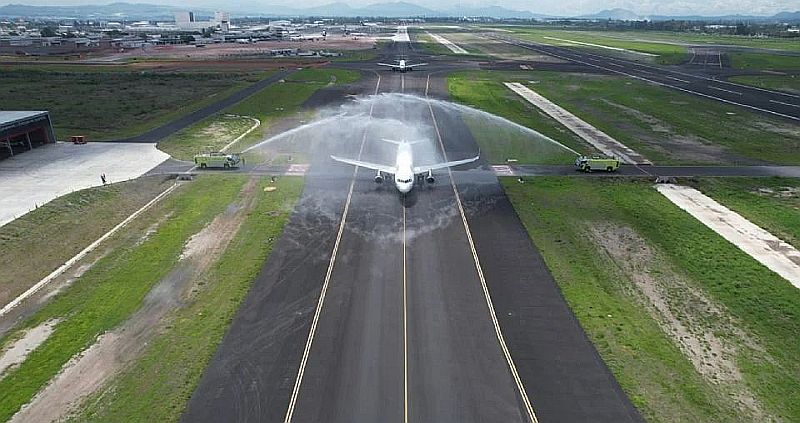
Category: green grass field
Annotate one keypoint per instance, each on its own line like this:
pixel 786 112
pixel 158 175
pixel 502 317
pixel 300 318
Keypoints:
pixel 787 83
pixel 666 126
pixel 273 102
pixel 158 386
pixel 667 53
pixel 212 134
pixel 111 105
pixel 115 286
pixel 764 61
pixel 771 203
pixel 789 44
pixel 750 308
pixel 485 91
pixel 56 231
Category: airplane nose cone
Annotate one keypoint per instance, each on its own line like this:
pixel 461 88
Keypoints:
pixel 404 188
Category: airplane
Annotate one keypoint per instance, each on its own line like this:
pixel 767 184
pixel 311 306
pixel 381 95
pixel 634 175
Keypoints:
pixel 402 65
pixel 404 171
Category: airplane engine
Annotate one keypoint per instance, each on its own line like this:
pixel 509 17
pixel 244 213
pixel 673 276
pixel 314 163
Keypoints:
pixel 430 179
pixel 378 178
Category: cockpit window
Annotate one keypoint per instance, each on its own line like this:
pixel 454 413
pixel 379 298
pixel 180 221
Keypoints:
pixel 404 181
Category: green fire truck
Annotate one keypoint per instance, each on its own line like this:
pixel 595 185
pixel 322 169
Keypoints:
pixel 217 159
pixel 588 164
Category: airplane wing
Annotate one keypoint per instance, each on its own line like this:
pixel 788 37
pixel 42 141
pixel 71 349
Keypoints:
pixel 415 65
pixel 425 168
pixel 368 165
pixel 386 64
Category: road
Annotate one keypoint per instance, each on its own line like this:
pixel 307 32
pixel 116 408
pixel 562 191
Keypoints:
pixel 436 307
pixel 696 82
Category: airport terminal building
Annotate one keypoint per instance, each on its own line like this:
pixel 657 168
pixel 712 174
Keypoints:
pixel 24 130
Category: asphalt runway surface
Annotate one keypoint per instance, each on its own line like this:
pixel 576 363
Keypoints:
pixel 691 80
pixel 435 307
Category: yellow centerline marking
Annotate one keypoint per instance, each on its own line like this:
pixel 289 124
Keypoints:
pixel 298 382
pixel 498 332
pixel 405 324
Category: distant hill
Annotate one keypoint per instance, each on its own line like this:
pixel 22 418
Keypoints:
pixel 614 14
pixel 398 9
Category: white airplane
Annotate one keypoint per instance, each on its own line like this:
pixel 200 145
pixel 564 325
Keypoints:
pixel 404 171
pixel 402 65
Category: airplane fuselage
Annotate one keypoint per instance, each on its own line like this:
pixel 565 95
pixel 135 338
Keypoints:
pixel 404 176
pixel 401 66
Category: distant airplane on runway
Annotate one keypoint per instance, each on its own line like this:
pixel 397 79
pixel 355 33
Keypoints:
pixel 404 171
pixel 401 65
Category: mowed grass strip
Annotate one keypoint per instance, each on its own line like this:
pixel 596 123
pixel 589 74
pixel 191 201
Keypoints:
pixel 158 386
pixel 558 213
pixel 114 105
pixel 764 61
pixel 485 91
pixel 115 286
pixel 211 134
pixel 787 83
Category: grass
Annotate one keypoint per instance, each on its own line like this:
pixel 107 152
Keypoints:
pixel 212 133
pixel 58 230
pixel 771 203
pixel 787 83
pixel 273 102
pixel 158 386
pixel 654 373
pixel 114 287
pixel 113 105
pixel 764 61
pixel 284 99
pixel 430 45
pixel 670 127
pixel 667 53
pixel 485 91
pixel 789 44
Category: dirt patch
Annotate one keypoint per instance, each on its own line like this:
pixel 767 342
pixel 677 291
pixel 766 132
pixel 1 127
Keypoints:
pixel 667 141
pixel 779 192
pixel 786 130
pixel 29 341
pixel 88 371
pixel 703 330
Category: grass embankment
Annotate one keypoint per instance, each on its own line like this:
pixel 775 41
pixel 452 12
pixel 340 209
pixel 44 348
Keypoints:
pixel 789 44
pixel 771 203
pixel 706 284
pixel 764 61
pixel 273 102
pixel 158 386
pixel 666 53
pixel 485 91
pixel 787 83
pixel 113 105
pixel 37 243
pixel 666 126
pixel 115 286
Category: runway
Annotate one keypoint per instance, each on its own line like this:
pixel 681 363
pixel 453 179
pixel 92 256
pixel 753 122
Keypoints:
pixel 436 307
pixel 695 81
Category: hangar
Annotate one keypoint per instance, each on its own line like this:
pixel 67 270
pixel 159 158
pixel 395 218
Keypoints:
pixel 23 130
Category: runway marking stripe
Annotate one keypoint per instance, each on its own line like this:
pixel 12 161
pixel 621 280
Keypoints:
pixel 723 89
pixel 665 84
pixel 498 332
pixel 405 324
pixel 785 104
pixel 318 311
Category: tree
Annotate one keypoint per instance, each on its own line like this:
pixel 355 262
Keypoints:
pixel 48 32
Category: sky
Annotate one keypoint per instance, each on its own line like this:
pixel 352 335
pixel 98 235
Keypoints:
pixel 552 7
